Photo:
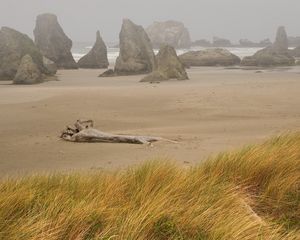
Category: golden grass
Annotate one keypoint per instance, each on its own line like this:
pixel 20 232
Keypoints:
pixel 249 194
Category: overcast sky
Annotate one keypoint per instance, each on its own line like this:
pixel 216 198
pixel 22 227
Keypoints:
pixel 232 19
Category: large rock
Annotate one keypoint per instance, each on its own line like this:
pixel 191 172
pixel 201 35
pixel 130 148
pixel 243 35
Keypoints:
pixel 201 43
pixel 50 65
pixel 28 72
pixel 13 47
pixel 53 42
pixel 136 52
pixel 169 67
pixel 210 57
pixel 221 42
pixel 296 52
pixel 97 57
pixel 170 32
pixel 275 55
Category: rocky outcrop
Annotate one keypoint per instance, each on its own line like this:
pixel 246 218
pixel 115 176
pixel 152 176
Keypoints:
pixel 209 57
pixel 265 43
pixel 136 52
pixel 97 57
pixel 275 55
pixel 13 47
pixel 296 52
pixel 28 72
pixel 50 65
pixel 53 42
pixel 221 42
pixel 201 43
pixel 172 33
pixel 169 67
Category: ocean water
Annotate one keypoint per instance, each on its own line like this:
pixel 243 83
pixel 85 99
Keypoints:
pixel 81 48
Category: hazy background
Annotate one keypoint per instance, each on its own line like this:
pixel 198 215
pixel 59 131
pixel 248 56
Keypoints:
pixel 232 19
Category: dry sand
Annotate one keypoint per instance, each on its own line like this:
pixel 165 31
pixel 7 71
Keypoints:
pixel 217 109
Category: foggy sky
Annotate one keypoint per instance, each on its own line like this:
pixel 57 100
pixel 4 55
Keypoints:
pixel 232 19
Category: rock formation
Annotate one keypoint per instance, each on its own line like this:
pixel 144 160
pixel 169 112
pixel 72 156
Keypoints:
pixel 50 65
pixel 13 47
pixel 28 72
pixel 221 42
pixel 169 67
pixel 296 52
pixel 265 43
pixel 53 42
pixel 136 53
pixel 201 43
pixel 209 57
pixel 171 33
pixel 97 57
pixel 275 55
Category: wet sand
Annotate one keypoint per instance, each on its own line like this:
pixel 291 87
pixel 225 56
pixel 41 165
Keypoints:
pixel 217 109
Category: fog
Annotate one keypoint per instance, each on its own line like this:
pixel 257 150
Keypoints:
pixel 232 19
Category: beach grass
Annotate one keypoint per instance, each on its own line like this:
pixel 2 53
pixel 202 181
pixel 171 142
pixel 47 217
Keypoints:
pixel 253 193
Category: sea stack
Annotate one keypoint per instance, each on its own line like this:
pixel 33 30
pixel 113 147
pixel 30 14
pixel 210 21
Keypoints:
pixel 53 42
pixel 169 66
pixel 209 57
pixel 277 54
pixel 171 33
pixel 136 52
pixel 97 57
pixel 13 47
pixel 28 72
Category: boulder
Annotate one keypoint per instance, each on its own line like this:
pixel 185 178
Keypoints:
pixel 170 32
pixel 13 47
pixel 296 52
pixel 210 57
pixel 169 67
pixel 275 55
pixel 53 42
pixel 265 43
pixel 50 65
pixel 136 52
pixel 28 72
pixel 221 42
pixel 247 43
pixel 97 57
pixel 201 43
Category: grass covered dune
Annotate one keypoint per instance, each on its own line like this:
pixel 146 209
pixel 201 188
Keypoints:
pixel 253 193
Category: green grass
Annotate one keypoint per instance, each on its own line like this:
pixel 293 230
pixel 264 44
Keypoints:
pixel 249 194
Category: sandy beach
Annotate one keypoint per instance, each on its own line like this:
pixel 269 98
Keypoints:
pixel 217 109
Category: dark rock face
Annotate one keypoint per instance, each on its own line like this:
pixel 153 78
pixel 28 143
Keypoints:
pixel 136 53
pixel 275 55
pixel 13 47
pixel 221 42
pixel 97 57
pixel 28 72
pixel 210 57
pixel 169 67
pixel 53 42
pixel 172 33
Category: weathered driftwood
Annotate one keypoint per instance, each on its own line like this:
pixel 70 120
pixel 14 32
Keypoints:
pixel 84 131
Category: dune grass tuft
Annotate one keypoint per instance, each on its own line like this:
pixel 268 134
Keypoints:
pixel 250 194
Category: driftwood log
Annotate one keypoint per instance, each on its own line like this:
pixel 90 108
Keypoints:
pixel 84 131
